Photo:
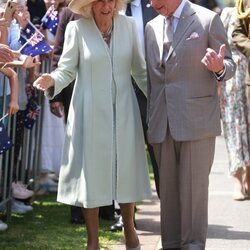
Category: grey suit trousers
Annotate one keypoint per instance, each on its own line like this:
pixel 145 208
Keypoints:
pixel 184 169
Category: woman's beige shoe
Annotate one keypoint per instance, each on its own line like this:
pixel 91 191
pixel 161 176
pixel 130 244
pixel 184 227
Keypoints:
pixel 239 196
pixel 239 189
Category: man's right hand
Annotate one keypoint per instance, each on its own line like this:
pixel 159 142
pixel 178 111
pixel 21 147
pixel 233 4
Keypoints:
pixel 57 109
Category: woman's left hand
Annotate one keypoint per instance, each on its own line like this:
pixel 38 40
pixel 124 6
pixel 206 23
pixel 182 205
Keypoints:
pixel 44 82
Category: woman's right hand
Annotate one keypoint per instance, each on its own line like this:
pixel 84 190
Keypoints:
pixel 44 82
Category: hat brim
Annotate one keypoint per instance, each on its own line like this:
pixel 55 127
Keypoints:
pixel 76 6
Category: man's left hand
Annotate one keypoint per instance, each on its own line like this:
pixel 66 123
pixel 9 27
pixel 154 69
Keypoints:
pixel 214 61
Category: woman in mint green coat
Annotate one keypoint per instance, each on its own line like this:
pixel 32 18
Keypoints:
pixel 104 154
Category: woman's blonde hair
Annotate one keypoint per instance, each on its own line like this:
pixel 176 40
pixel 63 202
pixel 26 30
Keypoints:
pixel 242 13
pixel 87 10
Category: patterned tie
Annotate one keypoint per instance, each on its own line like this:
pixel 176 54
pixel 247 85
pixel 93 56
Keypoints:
pixel 169 33
pixel 168 37
pixel 128 10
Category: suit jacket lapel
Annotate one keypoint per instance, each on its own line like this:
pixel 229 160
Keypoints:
pixel 186 20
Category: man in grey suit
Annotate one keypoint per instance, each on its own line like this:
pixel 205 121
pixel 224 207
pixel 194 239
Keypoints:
pixel 187 53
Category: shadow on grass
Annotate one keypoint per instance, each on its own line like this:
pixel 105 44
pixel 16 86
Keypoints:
pixel 48 227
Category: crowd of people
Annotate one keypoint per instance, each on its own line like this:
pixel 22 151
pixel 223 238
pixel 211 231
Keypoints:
pixel 17 96
pixel 113 100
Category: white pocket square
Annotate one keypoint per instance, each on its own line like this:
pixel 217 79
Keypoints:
pixel 194 35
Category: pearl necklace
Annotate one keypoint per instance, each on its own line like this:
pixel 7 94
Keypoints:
pixel 107 35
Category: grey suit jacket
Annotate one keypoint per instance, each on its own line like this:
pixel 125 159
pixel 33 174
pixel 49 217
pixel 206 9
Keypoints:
pixel 182 92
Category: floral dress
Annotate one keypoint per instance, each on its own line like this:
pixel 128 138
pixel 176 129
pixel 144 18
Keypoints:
pixel 234 110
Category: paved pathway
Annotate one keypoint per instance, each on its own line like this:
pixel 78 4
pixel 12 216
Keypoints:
pixel 229 220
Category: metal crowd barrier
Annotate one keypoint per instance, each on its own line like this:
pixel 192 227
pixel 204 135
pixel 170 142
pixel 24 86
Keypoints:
pixel 27 166
pixel 7 159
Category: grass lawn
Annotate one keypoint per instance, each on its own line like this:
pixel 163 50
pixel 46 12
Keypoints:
pixel 48 227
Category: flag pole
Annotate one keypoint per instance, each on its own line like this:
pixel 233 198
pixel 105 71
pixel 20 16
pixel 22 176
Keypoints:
pixel 4 117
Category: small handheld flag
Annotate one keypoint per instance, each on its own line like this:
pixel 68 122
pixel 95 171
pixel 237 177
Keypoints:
pixel 35 46
pixel 5 142
pixel 31 113
pixel 50 20
pixel 32 41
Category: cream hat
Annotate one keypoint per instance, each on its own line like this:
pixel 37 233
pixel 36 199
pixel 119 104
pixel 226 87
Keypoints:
pixel 77 5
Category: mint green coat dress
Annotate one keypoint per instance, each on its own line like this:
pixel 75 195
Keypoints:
pixel 104 151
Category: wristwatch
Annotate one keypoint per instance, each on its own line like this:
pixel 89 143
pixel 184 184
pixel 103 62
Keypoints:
pixel 220 75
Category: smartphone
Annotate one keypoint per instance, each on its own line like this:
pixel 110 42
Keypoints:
pixel 9 10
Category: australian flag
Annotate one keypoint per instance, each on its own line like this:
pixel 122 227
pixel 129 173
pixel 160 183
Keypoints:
pixel 27 32
pixel 31 113
pixel 32 41
pixel 50 20
pixel 5 142
pixel 35 46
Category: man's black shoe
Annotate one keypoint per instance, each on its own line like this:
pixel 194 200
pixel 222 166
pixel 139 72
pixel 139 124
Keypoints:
pixel 117 226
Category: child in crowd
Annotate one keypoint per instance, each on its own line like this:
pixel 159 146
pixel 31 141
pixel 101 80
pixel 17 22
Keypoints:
pixel 10 73
pixel 13 81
